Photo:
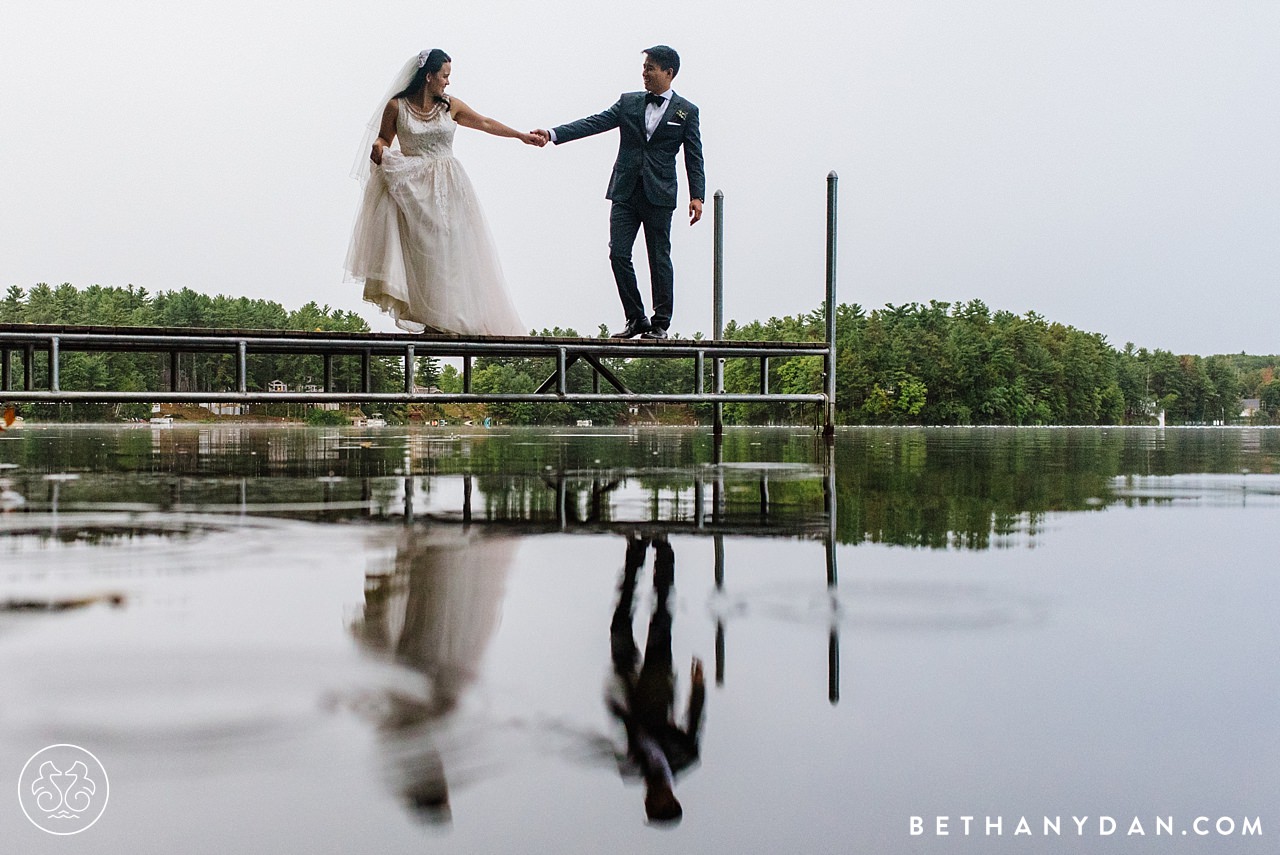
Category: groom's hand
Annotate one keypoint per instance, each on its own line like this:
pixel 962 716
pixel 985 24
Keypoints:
pixel 695 210
pixel 545 135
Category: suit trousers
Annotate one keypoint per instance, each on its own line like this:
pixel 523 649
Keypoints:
pixel 625 220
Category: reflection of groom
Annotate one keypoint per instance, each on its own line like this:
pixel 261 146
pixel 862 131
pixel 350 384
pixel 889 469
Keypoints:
pixel 652 126
pixel 643 696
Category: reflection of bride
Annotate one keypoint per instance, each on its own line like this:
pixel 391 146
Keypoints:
pixel 421 245
pixel 434 613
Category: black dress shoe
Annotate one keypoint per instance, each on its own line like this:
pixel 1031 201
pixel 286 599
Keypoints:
pixel 633 328
pixel 655 333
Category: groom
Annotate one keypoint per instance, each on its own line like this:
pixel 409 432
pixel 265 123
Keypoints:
pixel 652 126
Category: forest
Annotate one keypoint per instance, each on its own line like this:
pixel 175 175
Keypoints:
pixel 944 363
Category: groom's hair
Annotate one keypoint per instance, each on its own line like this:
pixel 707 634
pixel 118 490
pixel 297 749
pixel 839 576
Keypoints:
pixel 665 57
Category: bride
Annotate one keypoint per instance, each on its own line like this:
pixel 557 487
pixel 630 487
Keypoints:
pixel 421 245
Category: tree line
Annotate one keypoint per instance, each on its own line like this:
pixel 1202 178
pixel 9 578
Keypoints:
pixel 961 363
pixel 939 363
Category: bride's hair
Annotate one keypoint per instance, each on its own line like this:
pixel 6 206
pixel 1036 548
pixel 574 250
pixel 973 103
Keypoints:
pixel 435 60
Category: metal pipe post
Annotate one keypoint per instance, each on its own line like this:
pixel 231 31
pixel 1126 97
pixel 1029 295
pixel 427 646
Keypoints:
pixel 830 416
pixel 717 280
pixel 53 365
pixel 717 263
pixel 409 369
pixel 242 366
pixel 717 372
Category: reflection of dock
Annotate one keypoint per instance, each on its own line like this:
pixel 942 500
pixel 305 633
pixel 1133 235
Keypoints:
pixel 712 514
pixel 584 503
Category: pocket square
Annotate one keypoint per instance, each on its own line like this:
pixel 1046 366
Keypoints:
pixel 677 124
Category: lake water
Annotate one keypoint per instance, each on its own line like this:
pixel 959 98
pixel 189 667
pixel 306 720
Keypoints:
pixel 320 640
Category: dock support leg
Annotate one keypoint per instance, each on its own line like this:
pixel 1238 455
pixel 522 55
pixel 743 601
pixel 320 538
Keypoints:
pixel 718 379
pixel 829 417
pixel 54 359
pixel 717 280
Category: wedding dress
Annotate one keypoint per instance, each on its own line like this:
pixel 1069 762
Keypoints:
pixel 421 245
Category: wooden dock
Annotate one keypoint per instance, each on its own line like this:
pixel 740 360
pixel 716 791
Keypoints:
pixel 38 350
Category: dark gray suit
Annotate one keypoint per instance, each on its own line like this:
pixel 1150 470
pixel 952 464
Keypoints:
pixel 643 190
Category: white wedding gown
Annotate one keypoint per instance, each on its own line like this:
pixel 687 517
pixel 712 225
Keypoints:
pixel 421 245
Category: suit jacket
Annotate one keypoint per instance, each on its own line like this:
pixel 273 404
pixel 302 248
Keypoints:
pixel 647 163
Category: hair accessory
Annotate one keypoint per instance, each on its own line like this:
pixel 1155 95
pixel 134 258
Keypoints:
pixel 422 58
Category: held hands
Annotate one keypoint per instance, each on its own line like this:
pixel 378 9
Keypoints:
pixel 543 135
pixel 534 138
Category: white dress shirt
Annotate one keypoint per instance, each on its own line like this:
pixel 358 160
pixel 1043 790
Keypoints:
pixel 653 113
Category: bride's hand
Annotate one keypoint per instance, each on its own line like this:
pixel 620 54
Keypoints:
pixel 376 154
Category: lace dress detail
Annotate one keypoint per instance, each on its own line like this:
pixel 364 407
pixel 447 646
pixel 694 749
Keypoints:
pixel 421 244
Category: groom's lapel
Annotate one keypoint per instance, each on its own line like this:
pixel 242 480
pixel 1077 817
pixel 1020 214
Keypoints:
pixel 639 116
pixel 667 114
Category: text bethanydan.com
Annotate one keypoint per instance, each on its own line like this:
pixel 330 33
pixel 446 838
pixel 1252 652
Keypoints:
pixel 1083 826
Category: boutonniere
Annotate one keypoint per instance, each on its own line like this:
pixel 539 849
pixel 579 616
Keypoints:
pixel 682 114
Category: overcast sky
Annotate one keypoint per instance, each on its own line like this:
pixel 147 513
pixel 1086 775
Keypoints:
pixel 1109 164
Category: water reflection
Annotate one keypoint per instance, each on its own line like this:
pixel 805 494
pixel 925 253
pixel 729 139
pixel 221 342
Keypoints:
pixel 433 611
pixel 642 693
pixel 936 488
pixel 384 578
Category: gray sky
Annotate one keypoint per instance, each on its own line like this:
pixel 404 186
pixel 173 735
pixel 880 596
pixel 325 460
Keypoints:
pixel 1109 164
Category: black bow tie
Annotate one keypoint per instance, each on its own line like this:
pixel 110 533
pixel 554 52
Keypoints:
pixel 650 98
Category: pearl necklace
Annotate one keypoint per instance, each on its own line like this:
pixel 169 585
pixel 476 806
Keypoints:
pixel 428 114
